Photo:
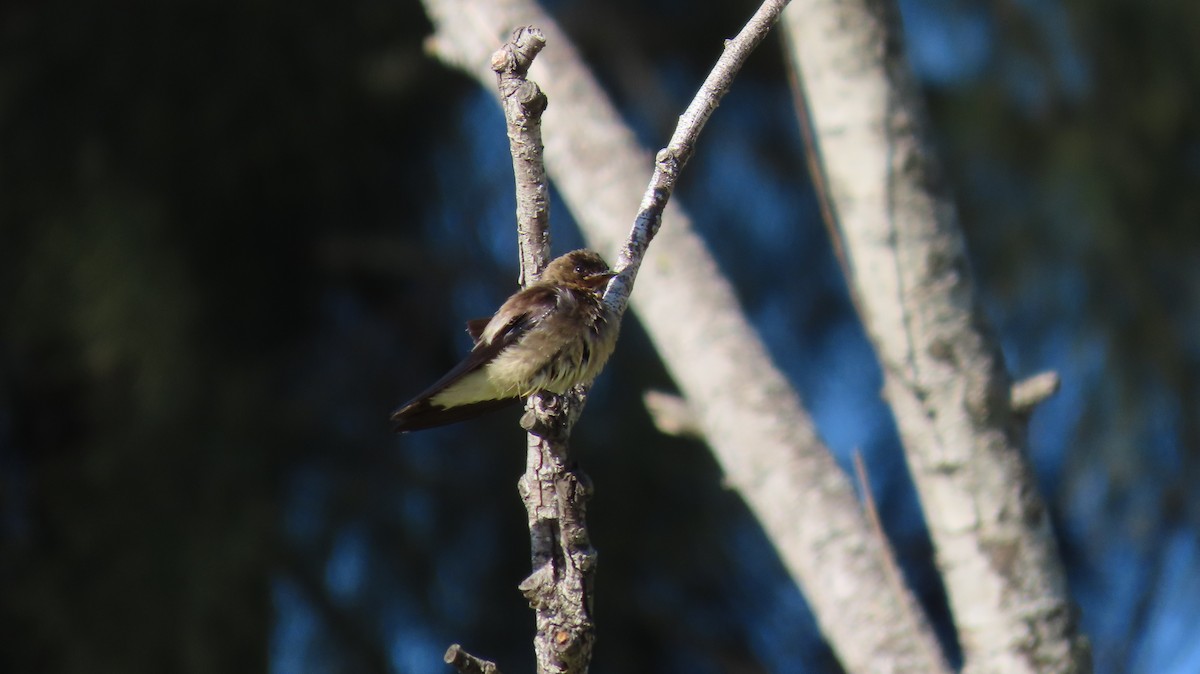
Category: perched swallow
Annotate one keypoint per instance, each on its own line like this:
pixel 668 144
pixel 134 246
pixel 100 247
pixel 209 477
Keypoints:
pixel 551 336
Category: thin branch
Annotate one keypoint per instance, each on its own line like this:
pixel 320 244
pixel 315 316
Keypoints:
pixel 559 589
pixel 466 663
pixel 1033 391
pixel 524 103
pixel 564 562
pixel 671 414
pixel 670 160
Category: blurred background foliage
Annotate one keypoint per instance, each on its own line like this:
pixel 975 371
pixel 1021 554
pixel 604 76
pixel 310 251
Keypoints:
pixel 233 235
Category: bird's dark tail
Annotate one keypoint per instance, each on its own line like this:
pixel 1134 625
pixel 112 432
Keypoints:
pixel 421 414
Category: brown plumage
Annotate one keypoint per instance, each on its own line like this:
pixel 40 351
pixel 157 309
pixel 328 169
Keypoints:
pixel 550 336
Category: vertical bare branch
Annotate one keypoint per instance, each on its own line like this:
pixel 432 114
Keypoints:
pixel 564 562
pixel 559 589
pixel 944 374
pixel 523 103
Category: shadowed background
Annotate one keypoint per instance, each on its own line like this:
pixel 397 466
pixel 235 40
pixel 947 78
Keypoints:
pixel 235 235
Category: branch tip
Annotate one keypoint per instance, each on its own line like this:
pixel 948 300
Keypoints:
pixel 516 55
pixel 1033 391
pixel 466 663
pixel 671 414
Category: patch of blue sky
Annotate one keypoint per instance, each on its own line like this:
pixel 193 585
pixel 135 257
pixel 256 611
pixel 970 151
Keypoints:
pixel 474 178
pixel 296 628
pixel 306 493
pixel 1163 452
pixel 780 625
pixel 1073 75
pixel 347 563
pixel 845 400
pixel 1055 422
pixel 456 584
pixel 1169 644
pixel 754 201
pixel 481 166
pixel 1108 598
pixel 417 510
pixel 411 646
pixel 948 43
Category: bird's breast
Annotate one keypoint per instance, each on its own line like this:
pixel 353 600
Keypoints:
pixel 556 357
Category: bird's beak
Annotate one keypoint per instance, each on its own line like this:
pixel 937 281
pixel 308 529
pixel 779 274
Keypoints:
pixel 598 281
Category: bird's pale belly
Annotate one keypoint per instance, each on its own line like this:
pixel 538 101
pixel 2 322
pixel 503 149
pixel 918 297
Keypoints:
pixel 577 363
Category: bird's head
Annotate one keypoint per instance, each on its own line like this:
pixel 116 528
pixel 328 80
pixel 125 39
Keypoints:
pixel 579 267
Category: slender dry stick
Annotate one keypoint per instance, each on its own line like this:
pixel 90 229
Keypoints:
pixel 1032 391
pixel 670 160
pixel 466 663
pixel 563 560
pixel 523 103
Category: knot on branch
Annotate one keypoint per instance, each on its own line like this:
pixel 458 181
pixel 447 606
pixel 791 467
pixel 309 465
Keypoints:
pixel 572 647
pixel 543 416
pixel 511 64
pixel 518 53
pixel 531 99
pixel 538 587
pixel 551 417
pixel 667 160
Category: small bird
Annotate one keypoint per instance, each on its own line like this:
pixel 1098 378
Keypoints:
pixel 551 336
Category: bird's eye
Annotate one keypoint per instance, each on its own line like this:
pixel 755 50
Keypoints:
pixel 579 269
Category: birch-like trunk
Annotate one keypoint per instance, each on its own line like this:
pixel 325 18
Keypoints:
pixel 944 374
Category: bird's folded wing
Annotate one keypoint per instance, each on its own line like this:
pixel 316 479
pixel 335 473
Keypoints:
pixel 476 326
pixel 421 414
pixel 519 314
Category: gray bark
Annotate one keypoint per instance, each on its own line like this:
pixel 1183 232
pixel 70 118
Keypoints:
pixel 944 374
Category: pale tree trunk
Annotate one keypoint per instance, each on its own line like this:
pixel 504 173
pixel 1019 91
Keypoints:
pixel 944 375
